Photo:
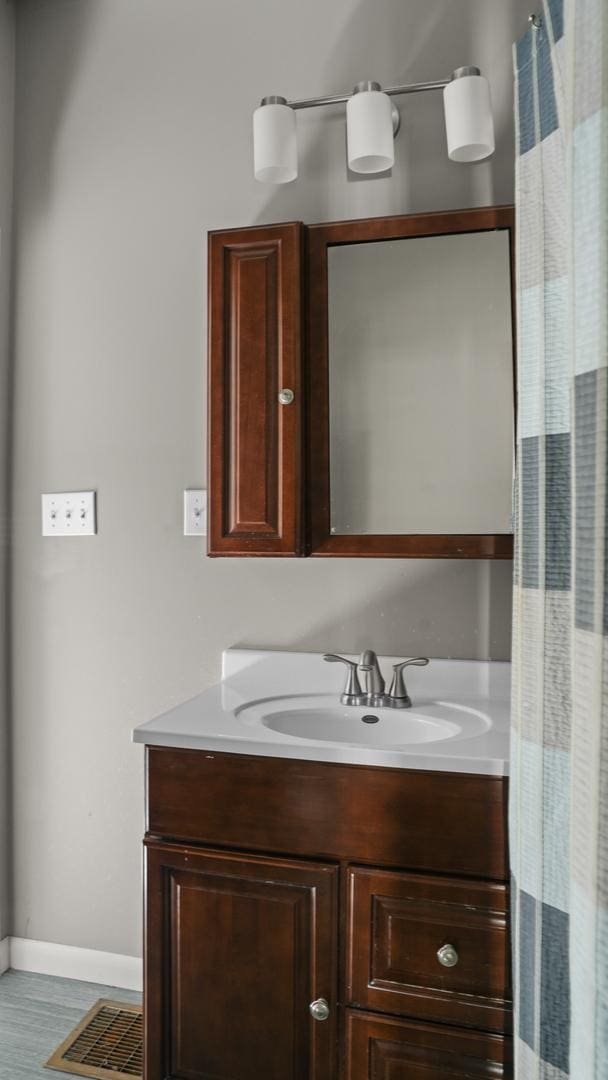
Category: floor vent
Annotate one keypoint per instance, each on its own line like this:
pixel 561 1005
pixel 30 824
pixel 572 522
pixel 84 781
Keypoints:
pixel 107 1044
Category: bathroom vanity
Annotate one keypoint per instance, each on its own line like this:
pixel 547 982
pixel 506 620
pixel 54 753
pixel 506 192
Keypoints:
pixel 321 908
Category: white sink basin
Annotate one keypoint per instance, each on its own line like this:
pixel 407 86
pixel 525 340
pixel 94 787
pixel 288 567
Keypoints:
pixel 319 718
pixel 287 704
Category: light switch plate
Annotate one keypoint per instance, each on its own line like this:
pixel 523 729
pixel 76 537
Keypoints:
pixel 195 513
pixel 69 513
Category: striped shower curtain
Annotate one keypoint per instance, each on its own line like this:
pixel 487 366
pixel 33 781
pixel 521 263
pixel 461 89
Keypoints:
pixel 559 786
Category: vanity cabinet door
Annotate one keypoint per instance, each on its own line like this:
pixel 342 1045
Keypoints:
pixel 255 355
pixel 381 1048
pixel 237 949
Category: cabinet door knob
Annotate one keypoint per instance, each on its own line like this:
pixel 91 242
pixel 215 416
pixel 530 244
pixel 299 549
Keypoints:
pixel 447 956
pixel 319 1009
pixel 286 396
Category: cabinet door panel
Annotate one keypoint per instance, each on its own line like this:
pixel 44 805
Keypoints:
pixel 255 443
pixel 380 1048
pixel 237 949
pixel 397 925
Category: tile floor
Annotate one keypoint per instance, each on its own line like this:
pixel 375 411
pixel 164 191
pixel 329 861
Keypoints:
pixel 36 1014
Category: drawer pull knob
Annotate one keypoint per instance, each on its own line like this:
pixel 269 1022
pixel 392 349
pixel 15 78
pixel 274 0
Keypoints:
pixel 319 1009
pixel 286 396
pixel 447 956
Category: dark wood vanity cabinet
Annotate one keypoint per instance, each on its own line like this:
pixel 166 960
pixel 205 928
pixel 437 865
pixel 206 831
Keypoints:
pixel 273 884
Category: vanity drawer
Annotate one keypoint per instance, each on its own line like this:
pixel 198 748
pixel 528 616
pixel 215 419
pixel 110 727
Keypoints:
pixel 398 923
pixel 381 1048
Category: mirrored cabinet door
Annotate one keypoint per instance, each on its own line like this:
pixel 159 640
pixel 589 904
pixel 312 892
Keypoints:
pixel 420 385
pixel 411 366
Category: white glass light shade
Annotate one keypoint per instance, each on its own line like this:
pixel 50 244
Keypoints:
pixel 275 149
pixel 468 118
pixel 369 129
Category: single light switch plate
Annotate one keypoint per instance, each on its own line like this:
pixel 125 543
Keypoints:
pixel 69 513
pixel 195 513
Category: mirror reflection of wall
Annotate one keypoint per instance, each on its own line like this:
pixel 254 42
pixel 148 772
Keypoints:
pixel 421 385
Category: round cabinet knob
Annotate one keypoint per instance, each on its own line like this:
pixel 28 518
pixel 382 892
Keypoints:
pixel 447 956
pixel 319 1009
pixel 286 396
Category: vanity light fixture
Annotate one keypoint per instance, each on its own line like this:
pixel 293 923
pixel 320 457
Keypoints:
pixel 275 150
pixel 468 116
pixel 372 122
pixel 369 129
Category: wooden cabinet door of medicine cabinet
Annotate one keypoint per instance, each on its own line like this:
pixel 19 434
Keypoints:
pixel 239 948
pixel 256 410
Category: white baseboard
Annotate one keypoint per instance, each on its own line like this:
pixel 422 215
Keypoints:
pixel 4 955
pixel 70 962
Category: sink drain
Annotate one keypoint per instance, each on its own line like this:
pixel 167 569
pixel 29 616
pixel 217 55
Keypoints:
pixel 370 719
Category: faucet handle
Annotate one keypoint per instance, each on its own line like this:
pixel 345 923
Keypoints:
pixel 398 688
pixel 352 688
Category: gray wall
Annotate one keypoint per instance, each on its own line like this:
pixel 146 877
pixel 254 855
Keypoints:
pixel 134 124
pixel 7 78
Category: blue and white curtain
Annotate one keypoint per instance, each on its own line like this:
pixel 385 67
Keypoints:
pixel 559 787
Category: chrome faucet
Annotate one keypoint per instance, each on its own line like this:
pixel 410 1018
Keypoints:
pixel 374 683
pixel 374 694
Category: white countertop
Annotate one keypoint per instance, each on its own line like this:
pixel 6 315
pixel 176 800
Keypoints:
pixel 216 719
